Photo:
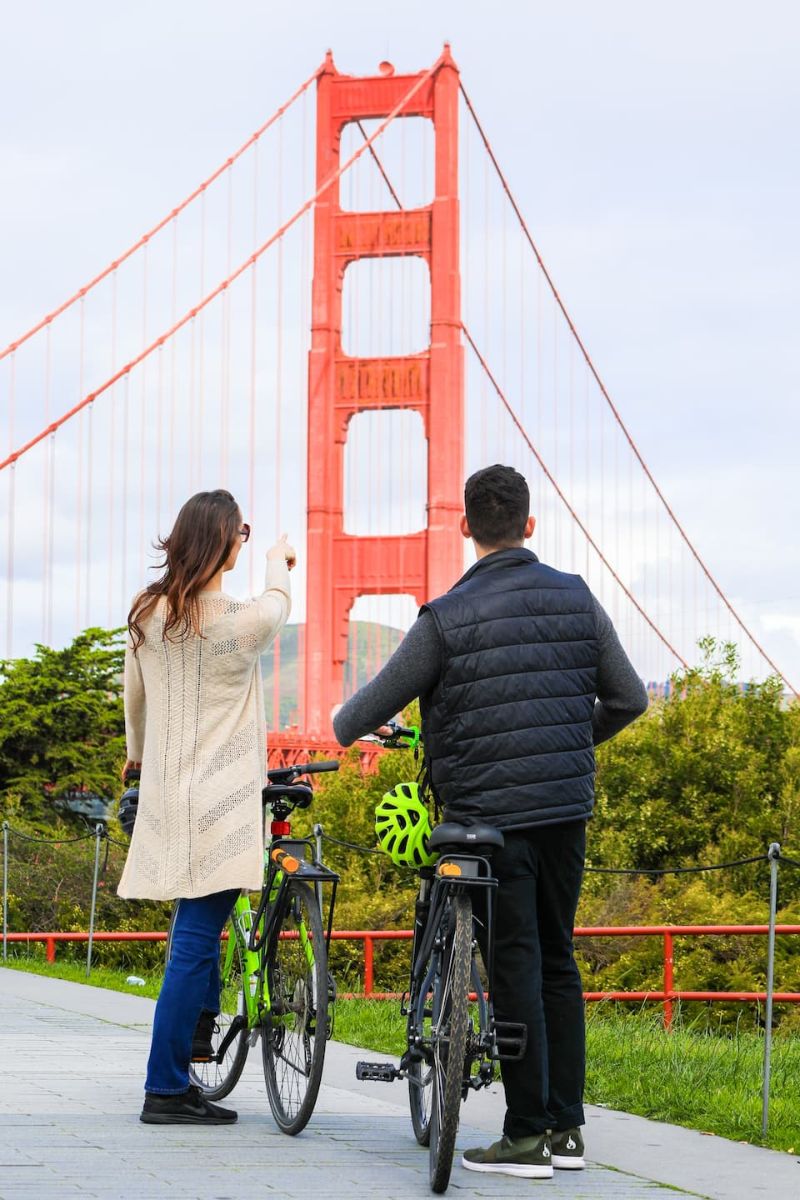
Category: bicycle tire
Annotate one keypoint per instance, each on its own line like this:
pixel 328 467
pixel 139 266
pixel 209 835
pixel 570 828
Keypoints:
pixel 420 1074
pixel 451 1018
pixel 295 1033
pixel 217 1080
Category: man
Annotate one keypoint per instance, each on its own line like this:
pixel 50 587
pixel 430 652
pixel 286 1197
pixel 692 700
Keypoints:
pixel 519 674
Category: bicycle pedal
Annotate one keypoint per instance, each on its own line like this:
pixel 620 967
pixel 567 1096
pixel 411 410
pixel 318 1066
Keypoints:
pixel 511 1040
pixel 377 1072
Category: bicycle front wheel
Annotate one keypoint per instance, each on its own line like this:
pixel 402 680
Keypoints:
pixel 296 1029
pixel 449 1036
pixel 420 1073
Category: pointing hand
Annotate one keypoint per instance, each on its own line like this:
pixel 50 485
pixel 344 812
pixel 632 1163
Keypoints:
pixel 283 550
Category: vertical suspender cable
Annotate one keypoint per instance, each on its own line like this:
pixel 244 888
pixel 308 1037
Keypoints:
pixel 504 328
pixel 123 575
pixel 251 455
pixel 587 434
pixel 49 466
pixel 159 453
pixel 172 396
pixel 539 389
pixel 193 431
pixel 522 339
pixel 12 489
pixel 304 323
pixel 112 454
pixel 143 421
pixel 486 264
pixel 79 490
pixel 557 514
pixel 201 317
pixel 617 524
pixel 89 492
pixel 571 381
pixel 225 390
pixel 602 441
pixel 89 513
pixel 276 675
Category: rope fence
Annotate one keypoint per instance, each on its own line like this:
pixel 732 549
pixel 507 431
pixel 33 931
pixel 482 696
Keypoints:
pixel 98 836
pixel 667 995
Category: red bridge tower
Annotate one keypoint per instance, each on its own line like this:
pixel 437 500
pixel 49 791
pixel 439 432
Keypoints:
pixel 342 567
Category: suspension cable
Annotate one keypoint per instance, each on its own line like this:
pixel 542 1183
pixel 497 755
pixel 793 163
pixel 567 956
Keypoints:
pixel 145 238
pixel 279 233
pixel 565 501
pixel 604 391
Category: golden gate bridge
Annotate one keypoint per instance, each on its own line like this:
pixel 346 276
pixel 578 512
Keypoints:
pixel 339 323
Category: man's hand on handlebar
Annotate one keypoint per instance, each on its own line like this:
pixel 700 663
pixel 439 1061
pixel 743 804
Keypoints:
pixel 395 736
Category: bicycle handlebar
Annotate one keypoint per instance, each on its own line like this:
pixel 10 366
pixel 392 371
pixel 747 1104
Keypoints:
pixel 402 737
pixel 287 775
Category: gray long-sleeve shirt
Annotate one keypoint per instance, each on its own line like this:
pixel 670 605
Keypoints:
pixel 416 666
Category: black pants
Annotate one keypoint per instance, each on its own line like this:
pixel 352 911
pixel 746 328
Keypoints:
pixel 536 980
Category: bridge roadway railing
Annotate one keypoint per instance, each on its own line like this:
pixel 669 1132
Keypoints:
pixel 666 995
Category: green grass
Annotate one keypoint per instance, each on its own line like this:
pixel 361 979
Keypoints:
pixel 692 1077
pixel 703 1080
pixel 102 977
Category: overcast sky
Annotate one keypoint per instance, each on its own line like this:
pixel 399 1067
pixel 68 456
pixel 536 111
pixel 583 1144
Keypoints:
pixel 654 151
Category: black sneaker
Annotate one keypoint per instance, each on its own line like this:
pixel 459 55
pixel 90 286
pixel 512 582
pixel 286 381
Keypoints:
pixel 187 1108
pixel 567 1147
pixel 202 1050
pixel 529 1157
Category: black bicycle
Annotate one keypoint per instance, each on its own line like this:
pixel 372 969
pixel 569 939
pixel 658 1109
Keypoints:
pixel 453 1039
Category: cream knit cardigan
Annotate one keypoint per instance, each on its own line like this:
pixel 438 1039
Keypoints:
pixel 194 718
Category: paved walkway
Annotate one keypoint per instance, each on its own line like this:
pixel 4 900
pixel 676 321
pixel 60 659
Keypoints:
pixel 71 1066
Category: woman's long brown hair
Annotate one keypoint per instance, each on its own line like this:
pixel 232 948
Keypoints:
pixel 202 537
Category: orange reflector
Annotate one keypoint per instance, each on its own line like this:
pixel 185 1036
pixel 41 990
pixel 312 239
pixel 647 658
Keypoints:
pixel 448 868
pixel 285 861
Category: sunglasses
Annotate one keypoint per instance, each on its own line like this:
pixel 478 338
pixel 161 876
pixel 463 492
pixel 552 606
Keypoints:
pixel 244 532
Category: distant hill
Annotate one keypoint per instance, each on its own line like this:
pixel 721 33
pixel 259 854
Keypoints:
pixel 369 647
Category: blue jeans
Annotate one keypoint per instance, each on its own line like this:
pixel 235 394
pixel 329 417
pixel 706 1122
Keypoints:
pixel 191 986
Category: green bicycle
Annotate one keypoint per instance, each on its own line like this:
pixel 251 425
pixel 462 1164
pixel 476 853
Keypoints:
pixel 275 983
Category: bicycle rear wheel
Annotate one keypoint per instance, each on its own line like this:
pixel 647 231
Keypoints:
pixel 420 1074
pixel 296 1029
pixel 217 1079
pixel 449 1036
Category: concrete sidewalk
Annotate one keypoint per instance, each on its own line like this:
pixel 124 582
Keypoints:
pixel 72 1062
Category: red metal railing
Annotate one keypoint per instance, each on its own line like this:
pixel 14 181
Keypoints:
pixel 666 995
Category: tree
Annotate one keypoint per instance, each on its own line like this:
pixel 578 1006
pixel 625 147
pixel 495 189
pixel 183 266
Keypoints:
pixel 62 722
pixel 711 772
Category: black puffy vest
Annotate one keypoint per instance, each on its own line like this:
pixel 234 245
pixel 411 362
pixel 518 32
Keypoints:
pixel 508 727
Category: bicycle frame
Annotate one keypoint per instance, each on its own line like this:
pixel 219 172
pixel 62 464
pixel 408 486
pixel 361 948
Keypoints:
pixel 453 872
pixel 255 930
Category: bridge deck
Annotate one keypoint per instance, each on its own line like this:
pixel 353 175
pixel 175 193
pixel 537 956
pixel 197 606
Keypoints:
pixel 72 1064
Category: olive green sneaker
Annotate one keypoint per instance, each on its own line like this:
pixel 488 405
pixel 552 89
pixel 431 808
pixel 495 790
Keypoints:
pixel 530 1157
pixel 567 1148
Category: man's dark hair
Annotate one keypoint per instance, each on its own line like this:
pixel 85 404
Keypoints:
pixel 498 504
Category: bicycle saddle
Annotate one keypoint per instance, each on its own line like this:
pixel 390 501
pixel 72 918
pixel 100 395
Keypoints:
pixel 299 794
pixel 477 838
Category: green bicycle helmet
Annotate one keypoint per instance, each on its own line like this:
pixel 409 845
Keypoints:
pixel 403 827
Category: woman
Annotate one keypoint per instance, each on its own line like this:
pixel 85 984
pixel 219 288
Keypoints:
pixel 194 721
